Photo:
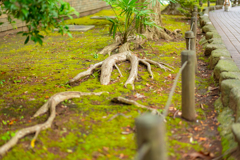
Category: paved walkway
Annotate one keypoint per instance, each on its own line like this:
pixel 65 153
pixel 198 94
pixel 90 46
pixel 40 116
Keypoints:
pixel 228 26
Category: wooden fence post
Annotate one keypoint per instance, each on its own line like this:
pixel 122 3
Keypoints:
pixel 151 132
pixel 191 45
pixel 188 85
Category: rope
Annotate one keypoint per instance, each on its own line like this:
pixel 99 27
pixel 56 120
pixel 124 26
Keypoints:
pixel 189 43
pixel 173 89
pixel 142 151
pixel 146 147
pixel 192 25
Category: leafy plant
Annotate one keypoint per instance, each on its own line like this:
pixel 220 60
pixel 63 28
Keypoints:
pixel 135 15
pixel 95 55
pixel 7 136
pixel 1 82
pixel 5 122
pixel 38 15
pixel 186 6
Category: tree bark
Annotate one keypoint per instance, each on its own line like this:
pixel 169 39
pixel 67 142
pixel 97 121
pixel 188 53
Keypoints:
pixel 154 32
pixel 172 9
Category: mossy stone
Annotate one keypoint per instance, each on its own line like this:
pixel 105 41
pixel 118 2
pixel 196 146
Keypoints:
pixel 210 47
pixel 234 102
pixel 215 41
pixel 218 105
pixel 211 8
pixel 224 66
pixel 203 41
pixel 236 132
pixel 208 28
pixel 206 10
pixel 226 87
pixel 210 35
pixel 215 56
pixel 226 120
pixel 218 6
pixel 229 75
pixel 204 20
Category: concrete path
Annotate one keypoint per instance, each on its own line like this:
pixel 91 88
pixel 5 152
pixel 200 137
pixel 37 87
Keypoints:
pixel 228 26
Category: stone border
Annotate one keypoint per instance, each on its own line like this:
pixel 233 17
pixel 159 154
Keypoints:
pixel 78 28
pixel 227 75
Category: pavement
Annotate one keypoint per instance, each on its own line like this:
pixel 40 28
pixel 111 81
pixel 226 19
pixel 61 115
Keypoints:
pixel 228 26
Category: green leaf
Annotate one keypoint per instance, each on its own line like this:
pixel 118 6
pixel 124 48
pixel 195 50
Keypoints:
pixel 25 12
pixel 114 30
pixel 69 34
pixel 26 41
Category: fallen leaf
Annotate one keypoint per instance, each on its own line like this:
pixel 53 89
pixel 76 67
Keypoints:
pixel 202 139
pixel 169 76
pixel 12 121
pixel 139 96
pixel 106 149
pixel 33 143
pixel 121 156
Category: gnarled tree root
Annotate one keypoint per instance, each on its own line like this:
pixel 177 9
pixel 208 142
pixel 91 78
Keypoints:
pixel 132 102
pixel 107 67
pixel 49 105
pixel 109 49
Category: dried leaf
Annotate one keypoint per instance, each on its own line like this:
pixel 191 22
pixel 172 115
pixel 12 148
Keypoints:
pixel 33 143
pixel 139 96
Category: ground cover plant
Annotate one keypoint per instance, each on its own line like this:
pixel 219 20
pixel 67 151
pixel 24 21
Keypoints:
pixel 93 127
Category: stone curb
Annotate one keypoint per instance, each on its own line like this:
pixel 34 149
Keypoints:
pixel 227 75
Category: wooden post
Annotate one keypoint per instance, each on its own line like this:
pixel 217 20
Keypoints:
pixel 151 131
pixel 194 20
pixel 191 45
pixel 188 85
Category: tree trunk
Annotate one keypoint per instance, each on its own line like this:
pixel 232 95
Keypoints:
pixel 172 9
pixel 155 33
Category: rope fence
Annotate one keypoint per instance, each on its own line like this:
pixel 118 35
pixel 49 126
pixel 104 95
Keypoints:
pixel 151 128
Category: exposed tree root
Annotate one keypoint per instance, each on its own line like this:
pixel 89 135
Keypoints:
pixel 107 67
pixel 86 73
pixel 118 70
pixel 132 102
pixel 148 67
pixel 159 64
pixel 134 70
pixel 108 64
pixel 109 49
pixel 124 47
pixel 49 105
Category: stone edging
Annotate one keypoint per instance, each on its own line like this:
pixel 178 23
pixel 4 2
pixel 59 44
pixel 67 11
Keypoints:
pixel 227 75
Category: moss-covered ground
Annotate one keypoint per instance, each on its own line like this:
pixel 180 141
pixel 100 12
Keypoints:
pixel 31 73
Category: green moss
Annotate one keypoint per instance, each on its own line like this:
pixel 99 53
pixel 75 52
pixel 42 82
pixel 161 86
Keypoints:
pixel 88 21
pixel 42 71
pixel 225 119
pixel 174 22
